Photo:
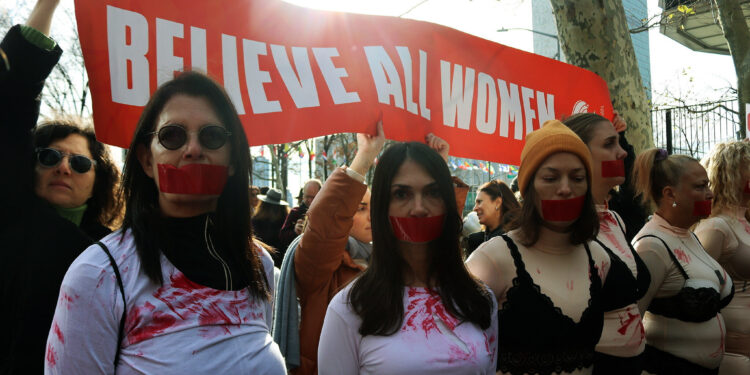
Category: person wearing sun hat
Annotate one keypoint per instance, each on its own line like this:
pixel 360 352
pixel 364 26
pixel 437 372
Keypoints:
pixel 267 221
pixel 543 271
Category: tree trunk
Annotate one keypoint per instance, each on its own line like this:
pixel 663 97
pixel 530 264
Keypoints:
pixel 737 33
pixel 594 35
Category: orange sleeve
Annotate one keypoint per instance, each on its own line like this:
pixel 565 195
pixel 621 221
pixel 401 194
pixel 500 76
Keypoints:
pixel 323 245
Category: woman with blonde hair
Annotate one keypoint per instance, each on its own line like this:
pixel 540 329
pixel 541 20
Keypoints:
pixel 726 237
pixel 684 328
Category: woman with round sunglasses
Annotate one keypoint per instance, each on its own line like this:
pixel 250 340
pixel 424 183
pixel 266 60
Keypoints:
pixel 685 330
pixel 495 207
pixel 726 237
pixel 182 287
pixel 622 342
pixel 415 309
pixel 57 196
pixel 547 272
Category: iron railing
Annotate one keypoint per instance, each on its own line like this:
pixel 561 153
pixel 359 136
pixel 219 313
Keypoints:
pixel 694 129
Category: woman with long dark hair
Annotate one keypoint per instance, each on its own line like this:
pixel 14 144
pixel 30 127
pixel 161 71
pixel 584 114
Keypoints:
pixel 415 309
pixel 496 206
pixel 181 287
pixel 547 273
pixel 685 331
pixel 622 342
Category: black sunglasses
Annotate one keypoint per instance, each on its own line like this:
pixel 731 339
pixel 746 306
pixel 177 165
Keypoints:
pixel 173 137
pixel 50 158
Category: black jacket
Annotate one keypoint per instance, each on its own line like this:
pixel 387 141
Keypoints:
pixel 478 238
pixel 36 244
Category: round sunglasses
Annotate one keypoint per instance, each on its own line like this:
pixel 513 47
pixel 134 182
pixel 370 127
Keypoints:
pixel 172 137
pixel 50 158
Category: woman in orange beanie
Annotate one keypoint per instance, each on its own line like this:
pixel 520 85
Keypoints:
pixel 546 273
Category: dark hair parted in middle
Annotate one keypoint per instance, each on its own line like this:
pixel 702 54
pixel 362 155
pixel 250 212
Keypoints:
pixel 529 221
pixel 509 207
pixel 232 216
pixel 377 295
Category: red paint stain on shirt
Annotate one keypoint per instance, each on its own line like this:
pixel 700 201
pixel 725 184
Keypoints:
pixel 682 256
pixel 624 251
pixel 423 306
pixel 720 350
pixel 746 225
pixel 67 300
pixel 58 333
pixel 607 221
pixel 186 302
pixel 625 323
pixel 50 357
pixel 569 285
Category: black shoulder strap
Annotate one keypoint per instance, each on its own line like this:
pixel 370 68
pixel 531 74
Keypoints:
pixel 122 292
pixel 619 223
pixel 669 251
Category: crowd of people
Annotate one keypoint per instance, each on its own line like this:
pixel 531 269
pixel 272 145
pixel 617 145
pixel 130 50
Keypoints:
pixel 178 265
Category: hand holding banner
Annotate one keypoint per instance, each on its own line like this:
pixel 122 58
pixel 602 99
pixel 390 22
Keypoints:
pixel 296 73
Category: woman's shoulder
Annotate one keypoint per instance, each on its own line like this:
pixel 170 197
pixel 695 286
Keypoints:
pixel 120 244
pixel 341 305
pixel 496 249
pixel 718 222
pixel 93 268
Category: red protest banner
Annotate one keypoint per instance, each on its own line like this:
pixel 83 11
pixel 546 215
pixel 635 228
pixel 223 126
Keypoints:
pixel 297 73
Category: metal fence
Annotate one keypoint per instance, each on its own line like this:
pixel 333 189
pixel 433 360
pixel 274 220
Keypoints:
pixel 693 130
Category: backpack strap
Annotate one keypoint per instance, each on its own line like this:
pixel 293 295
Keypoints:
pixel 121 330
pixel 669 251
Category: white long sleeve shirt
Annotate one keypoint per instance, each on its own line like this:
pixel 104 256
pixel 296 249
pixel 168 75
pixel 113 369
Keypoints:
pixel 430 340
pixel 180 327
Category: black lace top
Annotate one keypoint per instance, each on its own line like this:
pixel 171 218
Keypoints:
pixel 622 288
pixel 535 337
pixel 690 304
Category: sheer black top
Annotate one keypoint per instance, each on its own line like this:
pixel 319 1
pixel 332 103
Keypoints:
pixel 622 288
pixel 690 304
pixel 535 337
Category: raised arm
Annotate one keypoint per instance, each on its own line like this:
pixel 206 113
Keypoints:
pixel 30 57
pixel 323 243
pixel 41 16
pixel 460 188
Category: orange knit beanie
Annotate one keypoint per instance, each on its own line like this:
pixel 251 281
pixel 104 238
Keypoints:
pixel 552 138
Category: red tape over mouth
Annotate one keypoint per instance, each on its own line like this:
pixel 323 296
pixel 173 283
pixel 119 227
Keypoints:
pixel 562 209
pixel 194 179
pixel 702 208
pixel 417 229
pixel 613 168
